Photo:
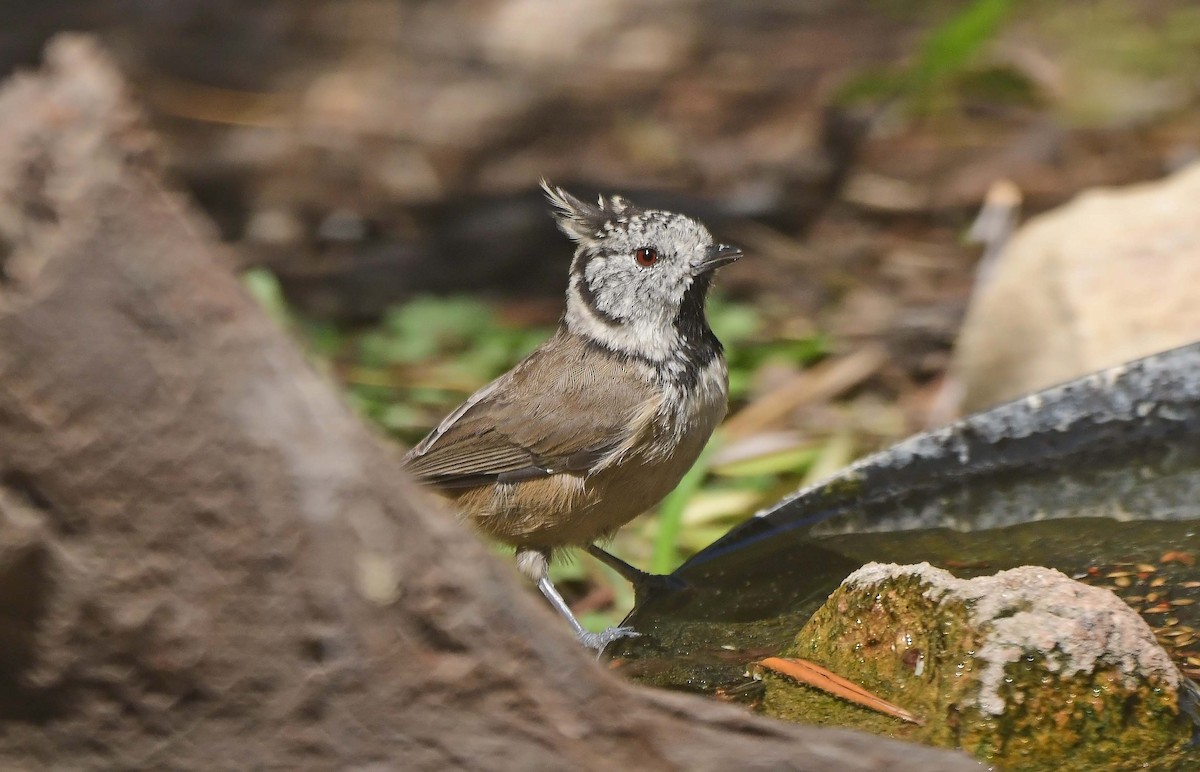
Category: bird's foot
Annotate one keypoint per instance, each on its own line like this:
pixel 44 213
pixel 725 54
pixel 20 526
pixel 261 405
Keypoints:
pixel 601 639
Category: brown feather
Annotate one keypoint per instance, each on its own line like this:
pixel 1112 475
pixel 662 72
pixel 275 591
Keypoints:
pixel 563 409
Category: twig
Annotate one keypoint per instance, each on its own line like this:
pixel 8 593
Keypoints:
pixel 822 382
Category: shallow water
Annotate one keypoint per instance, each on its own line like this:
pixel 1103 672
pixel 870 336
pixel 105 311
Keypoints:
pixel 1099 479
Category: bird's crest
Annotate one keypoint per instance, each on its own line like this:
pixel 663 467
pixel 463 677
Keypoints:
pixel 582 221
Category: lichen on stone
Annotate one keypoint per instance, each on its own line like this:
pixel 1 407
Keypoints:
pixel 1027 669
pixel 1035 609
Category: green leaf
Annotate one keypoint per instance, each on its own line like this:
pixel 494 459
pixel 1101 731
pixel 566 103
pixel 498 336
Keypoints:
pixel 733 322
pixel 567 571
pixel 792 460
pixel 324 338
pixel 398 417
pixel 952 45
pixel 264 287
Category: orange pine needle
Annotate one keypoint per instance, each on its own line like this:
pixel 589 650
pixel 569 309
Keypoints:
pixel 819 678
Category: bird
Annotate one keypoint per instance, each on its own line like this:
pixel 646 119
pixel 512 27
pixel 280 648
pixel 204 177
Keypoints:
pixel 601 421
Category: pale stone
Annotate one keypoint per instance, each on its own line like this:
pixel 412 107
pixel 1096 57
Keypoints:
pixel 1039 611
pixel 1112 276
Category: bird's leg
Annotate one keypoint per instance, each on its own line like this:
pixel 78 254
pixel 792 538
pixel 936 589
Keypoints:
pixel 643 582
pixel 536 565
pixel 631 574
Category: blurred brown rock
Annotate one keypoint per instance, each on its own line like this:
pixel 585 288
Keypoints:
pixel 1110 277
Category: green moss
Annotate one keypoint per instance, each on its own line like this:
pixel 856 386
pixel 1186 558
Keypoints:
pixel 893 641
pixel 1081 722
pixel 844 486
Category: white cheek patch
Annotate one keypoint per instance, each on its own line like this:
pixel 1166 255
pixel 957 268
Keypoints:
pixel 611 288
pixel 650 337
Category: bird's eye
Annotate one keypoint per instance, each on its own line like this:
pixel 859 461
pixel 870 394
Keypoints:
pixel 646 256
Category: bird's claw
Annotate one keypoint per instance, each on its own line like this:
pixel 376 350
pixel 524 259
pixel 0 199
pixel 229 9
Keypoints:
pixel 601 639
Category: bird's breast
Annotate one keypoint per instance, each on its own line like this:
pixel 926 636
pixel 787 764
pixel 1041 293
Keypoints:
pixel 692 406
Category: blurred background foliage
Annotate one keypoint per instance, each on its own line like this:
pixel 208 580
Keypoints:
pixel 372 165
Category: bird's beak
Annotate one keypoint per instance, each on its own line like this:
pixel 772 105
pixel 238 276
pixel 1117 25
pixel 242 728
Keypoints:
pixel 718 255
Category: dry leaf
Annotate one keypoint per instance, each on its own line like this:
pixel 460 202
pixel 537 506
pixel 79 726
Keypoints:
pixel 1178 556
pixel 818 677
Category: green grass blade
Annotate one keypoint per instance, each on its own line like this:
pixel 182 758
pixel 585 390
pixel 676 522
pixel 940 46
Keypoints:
pixel 952 45
pixel 665 556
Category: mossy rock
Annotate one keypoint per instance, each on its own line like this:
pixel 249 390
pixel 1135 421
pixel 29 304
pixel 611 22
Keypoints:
pixel 1026 669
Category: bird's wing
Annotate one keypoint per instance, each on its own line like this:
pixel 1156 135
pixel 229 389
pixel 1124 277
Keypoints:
pixel 558 411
